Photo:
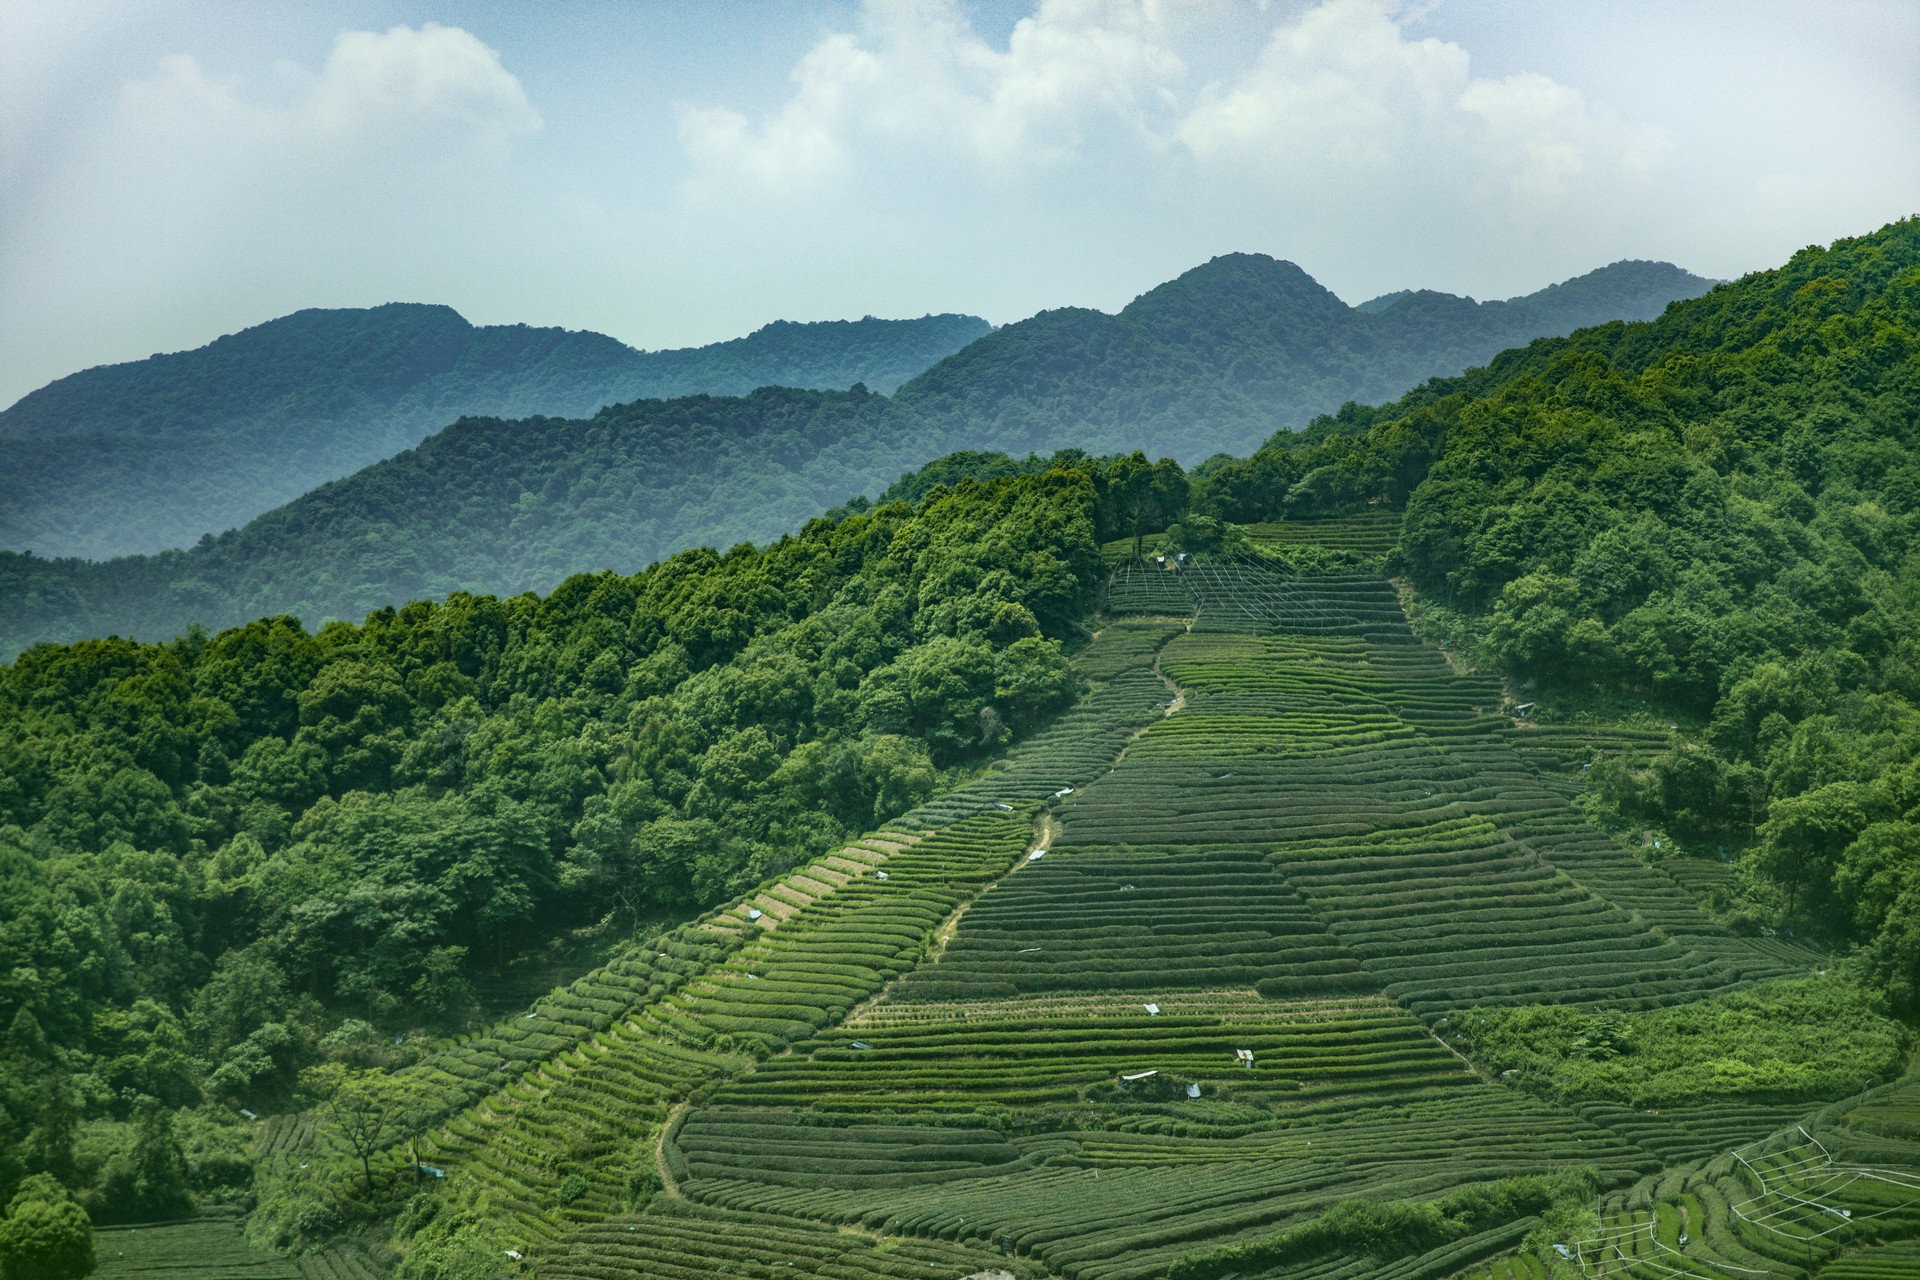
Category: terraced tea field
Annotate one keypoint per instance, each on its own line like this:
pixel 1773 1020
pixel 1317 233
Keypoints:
pixel 1178 976
pixel 205 1249
pixel 1784 1206
pixel 1371 535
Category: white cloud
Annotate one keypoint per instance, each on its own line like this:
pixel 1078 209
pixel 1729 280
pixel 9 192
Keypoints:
pixel 392 92
pixel 1342 87
pixel 198 202
pixel 1341 107
pixel 918 80
pixel 438 75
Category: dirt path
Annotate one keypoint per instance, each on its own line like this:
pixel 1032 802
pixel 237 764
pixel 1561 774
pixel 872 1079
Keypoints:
pixel 1045 828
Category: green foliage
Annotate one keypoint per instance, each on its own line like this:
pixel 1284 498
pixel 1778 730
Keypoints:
pixel 1389 1229
pixel 1802 1040
pixel 234 857
pixel 45 1235
pixel 447 1241
pixel 148 1179
pixel 1713 513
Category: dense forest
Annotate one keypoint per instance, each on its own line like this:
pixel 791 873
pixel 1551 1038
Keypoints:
pixel 154 453
pixel 228 860
pixel 502 506
pixel 490 506
pixel 1711 517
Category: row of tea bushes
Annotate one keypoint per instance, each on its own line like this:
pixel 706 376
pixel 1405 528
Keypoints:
pixel 674 1240
pixel 1146 589
pixel 1107 920
pixel 1230 1004
pixel 1116 1223
pixel 938 1066
pixel 1254 599
pixel 1678 1134
pixel 207 1248
pixel 460 1075
pixel 581 1112
pixel 1075 748
pixel 1458 915
pixel 1372 533
pixel 1125 643
pixel 1896 1261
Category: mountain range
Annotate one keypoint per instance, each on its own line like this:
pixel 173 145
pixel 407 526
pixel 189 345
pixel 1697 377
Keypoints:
pixel 1219 359
pixel 155 453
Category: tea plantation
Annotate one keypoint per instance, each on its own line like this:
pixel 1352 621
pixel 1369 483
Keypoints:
pixel 1183 987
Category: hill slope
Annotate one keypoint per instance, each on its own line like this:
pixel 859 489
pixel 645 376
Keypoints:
pixel 509 506
pixel 154 453
pixel 1274 944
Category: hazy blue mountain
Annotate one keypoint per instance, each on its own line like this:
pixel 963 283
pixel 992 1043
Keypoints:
pixel 157 452
pixel 1239 348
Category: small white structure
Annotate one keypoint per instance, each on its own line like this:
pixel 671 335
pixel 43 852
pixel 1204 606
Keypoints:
pixel 861 1044
pixel 754 913
pixel 1036 855
pixel 1004 808
pixel 1064 791
pixel 515 1254
pixel 879 875
pixel 1140 1075
pixel 248 1114
pixel 1244 1057
pixel 1151 1008
pixel 1193 1090
pixel 1024 950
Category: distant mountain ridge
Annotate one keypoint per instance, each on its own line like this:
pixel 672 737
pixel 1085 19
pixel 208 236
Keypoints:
pixel 156 452
pixel 1219 359
pixel 1240 347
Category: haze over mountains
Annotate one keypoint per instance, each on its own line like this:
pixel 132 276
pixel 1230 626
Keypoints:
pixel 151 454
pixel 1220 358
pixel 1216 360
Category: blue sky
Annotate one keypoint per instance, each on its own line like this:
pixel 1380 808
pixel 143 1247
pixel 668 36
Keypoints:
pixel 674 174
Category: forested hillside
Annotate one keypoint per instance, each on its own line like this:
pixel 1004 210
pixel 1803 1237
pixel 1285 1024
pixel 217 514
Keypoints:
pixel 490 506
pixel 951 888
pixel 226 860
pixel 153 454
pixel 504 506
pixel 1712 517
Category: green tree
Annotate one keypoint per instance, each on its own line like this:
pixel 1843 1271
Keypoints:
pixel 369 1112
pixel 45 1235
pixel 1805 836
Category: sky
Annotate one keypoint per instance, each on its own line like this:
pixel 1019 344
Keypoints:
pixel 674 174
